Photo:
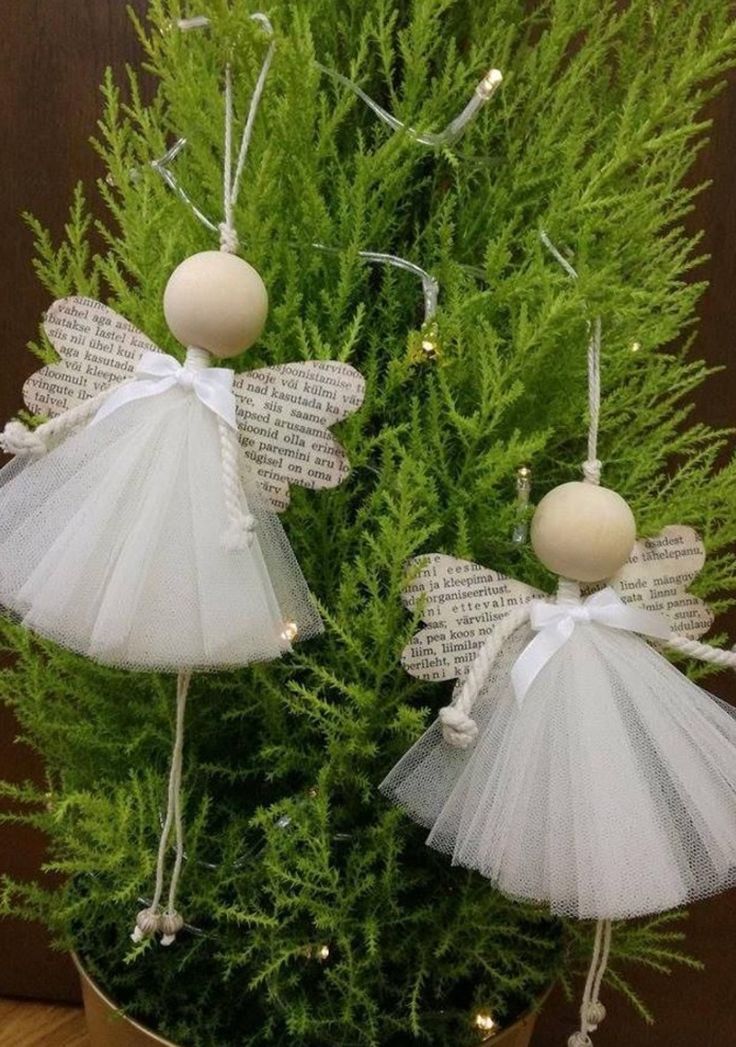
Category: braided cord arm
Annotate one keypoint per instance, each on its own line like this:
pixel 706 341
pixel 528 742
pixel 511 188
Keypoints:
pixel 703 652
pixel 18 439
pixel 241 524
pixel 459 729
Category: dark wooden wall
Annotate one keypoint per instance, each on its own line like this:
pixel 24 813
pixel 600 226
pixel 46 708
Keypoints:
pixel 52 56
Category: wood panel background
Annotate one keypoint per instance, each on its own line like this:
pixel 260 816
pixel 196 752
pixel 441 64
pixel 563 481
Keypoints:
pixel 52 56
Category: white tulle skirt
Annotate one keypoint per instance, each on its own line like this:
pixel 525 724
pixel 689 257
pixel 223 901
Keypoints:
pixel 610 792
pixel 111 545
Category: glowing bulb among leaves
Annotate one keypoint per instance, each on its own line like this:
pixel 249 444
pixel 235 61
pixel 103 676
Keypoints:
pixel 291 631
pixel 484 1022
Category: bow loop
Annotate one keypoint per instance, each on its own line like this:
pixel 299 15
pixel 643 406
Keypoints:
pixel 156 373
pixel 554 624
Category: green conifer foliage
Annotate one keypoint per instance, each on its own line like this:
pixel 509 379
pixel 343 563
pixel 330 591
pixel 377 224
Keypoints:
pixel 289 847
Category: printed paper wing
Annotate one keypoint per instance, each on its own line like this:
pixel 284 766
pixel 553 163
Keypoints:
pixel 284 414
pixel 657 577
pixel 462 604
pixel 97 349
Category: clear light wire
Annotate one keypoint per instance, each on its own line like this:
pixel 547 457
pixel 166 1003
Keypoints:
pixel 231 179
pixel 482 94
pixel 484 91
pixel 430 284
pixel 161 167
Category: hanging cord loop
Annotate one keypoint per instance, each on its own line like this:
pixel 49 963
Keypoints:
pixel 592 465
pixel 152 921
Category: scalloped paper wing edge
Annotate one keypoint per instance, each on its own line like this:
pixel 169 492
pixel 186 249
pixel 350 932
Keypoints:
pixel 657 577
pixel 97 347
pixel 450 640
pixel 284 418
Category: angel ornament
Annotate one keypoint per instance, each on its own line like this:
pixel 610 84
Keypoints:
pixel 576 766
pixel 138 526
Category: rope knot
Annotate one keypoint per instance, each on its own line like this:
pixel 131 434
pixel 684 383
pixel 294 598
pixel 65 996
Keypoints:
pixel 147 924
pixel 580 1039
pixel 228 238
pixel 17 438
pixel 240 533
pixel 595 1014
pixel 458 729
pixel 171 924
pixel 592 471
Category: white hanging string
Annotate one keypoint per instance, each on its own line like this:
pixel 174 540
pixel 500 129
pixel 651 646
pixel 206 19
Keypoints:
pixel 592 465
pixel 231 176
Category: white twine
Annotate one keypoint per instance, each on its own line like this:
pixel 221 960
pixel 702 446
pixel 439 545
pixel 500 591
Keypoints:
pixel 592 466
pixel 241 527
pixel 592 1011
pixel 151 921
pixel 459 729
pixel 18 439
pixel 703 652
pixel 232 179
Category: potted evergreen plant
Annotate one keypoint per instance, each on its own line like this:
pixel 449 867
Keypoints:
pixel 314 912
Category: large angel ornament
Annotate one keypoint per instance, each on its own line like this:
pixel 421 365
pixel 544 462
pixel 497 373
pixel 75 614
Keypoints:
pixel 138 525
pixel 576 767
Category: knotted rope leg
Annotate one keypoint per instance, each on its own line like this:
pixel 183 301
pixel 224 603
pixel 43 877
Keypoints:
pixel 151 921
pixel 592 1011
pixel 241 524
pixel 459 729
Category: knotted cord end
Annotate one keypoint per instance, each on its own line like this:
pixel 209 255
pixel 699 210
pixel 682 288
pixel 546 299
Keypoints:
pixel 18 439
pixel 171 924
pixel 240 534
pixel 580 1039
pixel 147 925
pixel 458 729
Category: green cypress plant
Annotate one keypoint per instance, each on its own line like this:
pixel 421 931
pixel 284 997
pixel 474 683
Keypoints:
pixel 318 915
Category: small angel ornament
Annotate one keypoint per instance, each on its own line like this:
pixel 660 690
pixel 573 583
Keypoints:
pixel 576 767
pixel 592 775
pixel 138 526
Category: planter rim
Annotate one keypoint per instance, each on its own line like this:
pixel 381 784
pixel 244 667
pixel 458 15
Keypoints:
pixel 531 1014
pixel 528 1015
pixel 87 977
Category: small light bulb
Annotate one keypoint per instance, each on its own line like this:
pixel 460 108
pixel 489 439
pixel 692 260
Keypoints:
pixel 323 953
pixel 291 631
pixel 635 347
pixel 484 1021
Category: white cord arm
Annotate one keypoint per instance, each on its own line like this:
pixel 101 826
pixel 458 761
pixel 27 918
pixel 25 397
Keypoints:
pixel 17 438
pixel 459 729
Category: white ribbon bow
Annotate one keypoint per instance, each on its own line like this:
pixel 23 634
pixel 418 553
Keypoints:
pixel 555 623
pixel 156 373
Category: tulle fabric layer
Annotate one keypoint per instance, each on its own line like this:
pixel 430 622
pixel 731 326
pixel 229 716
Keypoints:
pixel 111 545
pixel 610 792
